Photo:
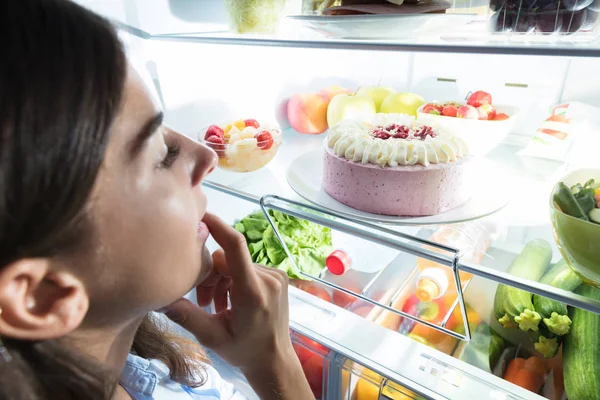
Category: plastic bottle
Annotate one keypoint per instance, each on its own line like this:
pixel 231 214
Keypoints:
pixel 358 254
pixel 472 238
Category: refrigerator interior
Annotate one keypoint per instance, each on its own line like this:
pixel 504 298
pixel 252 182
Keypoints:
pixel 199 84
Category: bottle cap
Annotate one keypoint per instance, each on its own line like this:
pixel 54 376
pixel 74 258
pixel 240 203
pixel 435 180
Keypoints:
pixel 338 262
pixel 431 284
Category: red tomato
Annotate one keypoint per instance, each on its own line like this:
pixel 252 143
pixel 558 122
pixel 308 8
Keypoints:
pixel 309 349
pixel 342 299
pixel 313 370
pixel 315 289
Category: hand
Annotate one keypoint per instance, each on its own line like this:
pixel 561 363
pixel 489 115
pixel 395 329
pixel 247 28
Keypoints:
pixel 254 332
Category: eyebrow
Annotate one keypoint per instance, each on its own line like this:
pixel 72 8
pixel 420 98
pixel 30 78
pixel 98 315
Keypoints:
pixel 143 134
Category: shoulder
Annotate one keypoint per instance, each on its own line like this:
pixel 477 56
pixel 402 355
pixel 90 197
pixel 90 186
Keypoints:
pixel 158 385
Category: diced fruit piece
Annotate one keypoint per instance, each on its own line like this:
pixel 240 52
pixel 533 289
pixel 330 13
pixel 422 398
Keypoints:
pixel 248 132
pixel 240 124
pixel 450 110
pixel 214 130
pixel 251 122
pixel 264 139
pixel 227 128
pixel 245 144
pixel 479 98
pixel 467 112
pixel 234 138
pixel 217 144
pixel 486 112
pixel 231 131
pixel 432 108
pixel 501 117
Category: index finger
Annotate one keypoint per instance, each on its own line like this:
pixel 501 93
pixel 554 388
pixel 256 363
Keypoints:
pixel 239 263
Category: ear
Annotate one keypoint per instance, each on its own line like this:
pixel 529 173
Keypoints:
pixel 38 303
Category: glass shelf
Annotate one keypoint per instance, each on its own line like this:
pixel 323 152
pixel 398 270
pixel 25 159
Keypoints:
pixel 524 219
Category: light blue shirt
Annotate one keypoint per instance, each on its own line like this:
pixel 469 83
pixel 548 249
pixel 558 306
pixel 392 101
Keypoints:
pixel 149 380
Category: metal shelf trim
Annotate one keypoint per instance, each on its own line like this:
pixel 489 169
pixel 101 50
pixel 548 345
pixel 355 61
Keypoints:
pixel 382 236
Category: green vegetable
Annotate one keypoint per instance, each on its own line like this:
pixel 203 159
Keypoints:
pixel 586 200
pixel 567 202
pixel 554 313
pixel 514 306
pixel 545 342
pixel 484 349
pixel 594 215
pixel 309 243
pixel 581 351
pixel 257 16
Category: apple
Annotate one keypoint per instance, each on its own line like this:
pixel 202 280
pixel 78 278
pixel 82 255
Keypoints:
pixel 467 112
pixel 402 103
pixel 307 112
pixel 377 93
pixel 345 106
pixel 332 91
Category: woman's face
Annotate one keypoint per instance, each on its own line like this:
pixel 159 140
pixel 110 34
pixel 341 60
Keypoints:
pixel 146 212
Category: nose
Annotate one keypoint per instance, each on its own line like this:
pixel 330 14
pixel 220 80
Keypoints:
pixel 205 161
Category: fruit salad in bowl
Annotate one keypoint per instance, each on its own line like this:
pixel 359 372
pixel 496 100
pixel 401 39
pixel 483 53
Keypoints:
pixel 575 214
pixel 479 122
pixel 244 145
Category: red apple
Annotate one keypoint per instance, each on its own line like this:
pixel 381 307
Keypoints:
pixel 479 98
pixel 307 112
pixel 467 112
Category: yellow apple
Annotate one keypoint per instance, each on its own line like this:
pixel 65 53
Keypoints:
pixel 402 103
pixel 345 106
pixel 377 93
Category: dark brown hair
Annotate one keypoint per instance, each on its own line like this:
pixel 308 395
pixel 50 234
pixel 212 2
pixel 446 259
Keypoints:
pixel 62 76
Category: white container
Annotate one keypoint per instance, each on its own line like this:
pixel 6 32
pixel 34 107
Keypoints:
pixel 481 136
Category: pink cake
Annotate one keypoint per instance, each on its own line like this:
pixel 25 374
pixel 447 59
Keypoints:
pixel 387 165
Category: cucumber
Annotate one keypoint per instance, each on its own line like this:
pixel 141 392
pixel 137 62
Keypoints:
pixel 554 313
pixel 594 215
pixel 581 351
pixel 514 306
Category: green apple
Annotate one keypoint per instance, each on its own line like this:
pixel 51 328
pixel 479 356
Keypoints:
pixel 402 103
pixel 345 106
pixel 377 93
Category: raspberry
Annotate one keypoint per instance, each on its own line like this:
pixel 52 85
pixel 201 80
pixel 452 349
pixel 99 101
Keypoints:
pixel 214 130
pixel 381 134
pixel 402 132
pixel 264 139
pixel 424 131
pixel 217 144
pixel 252 122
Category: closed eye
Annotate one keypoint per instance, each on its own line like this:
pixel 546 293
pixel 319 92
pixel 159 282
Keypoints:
pixel 173 151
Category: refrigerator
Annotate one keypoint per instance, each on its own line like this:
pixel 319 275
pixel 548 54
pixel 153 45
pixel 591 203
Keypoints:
pixel 356 334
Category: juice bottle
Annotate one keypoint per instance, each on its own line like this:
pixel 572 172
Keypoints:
pixel 472 239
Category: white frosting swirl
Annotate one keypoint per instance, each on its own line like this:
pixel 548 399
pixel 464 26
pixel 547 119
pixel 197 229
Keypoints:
pixel 353 140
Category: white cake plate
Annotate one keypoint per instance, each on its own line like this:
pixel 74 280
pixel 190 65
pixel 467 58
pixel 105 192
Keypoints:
pixel 305 174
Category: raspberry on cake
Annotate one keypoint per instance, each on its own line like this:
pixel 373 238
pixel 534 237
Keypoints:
pixel 386 164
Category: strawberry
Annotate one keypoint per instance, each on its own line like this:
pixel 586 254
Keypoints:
pixel 432 108
pixel 449 110
pixel 486 112
pixel 467 112
pixel 479 98
pixel 217 144
pixel 252 122
pixel 501 117
pixel 214 130
pixel 264 139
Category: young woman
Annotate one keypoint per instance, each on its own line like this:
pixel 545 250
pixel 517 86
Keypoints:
pixel 102 221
